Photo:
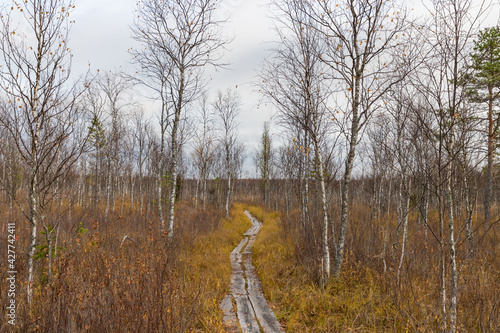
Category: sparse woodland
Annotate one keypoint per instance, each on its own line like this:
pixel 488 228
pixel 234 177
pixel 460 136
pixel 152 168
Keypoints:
pixel 377 177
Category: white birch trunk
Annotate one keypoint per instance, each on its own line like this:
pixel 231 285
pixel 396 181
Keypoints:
pixel 11 185
pixel 108 191
pixel 172 198
pixel 141 196
pixel 132 183
pixel 451 242
pixel 196 193
pixel 33 196
pixel 228 193
pixel 114 189
pixel 123 195
pixel 339 255
pixel 158 193
pixel 326 248
pixel 443 269
pixel 175 152
pixel 405 212
pixel 426 205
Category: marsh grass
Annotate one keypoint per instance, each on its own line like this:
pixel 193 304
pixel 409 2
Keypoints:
pixel 145 285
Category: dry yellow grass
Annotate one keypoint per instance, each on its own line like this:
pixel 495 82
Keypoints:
pixel 209 266
pixel 351 302
pixel 147 285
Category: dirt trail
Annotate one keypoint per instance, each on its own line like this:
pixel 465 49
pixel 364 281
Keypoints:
pixel 252 314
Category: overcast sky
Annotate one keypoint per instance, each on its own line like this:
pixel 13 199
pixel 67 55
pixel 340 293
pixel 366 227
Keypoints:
pixel 101 37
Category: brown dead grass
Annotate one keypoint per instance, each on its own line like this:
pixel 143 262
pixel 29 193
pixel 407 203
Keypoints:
pixel 364 298
pixel 147 285
pixel 353 302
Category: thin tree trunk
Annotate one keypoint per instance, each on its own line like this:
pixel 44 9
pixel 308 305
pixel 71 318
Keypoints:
pixel 469 208
pixel 132 183
pixel 33 196
pixel 339 255
pixel 405 212
pixel 287 195
pixel 123 195
pixel 326 248
pixel 160 159
pixel 175 152
pixel 204 192
pixel 196 193
pixel 11 187
pixel 228 193
pixel 172 196
pixel 114 189
pixel 451 241
pixel 148 198
pixel 426 205
pixel 302 200
pixel 308 225
pixel 141 195
pixel 99 184
pixel 442 240
pixel 4 179
pixel 443 269
pixel 108 191
pixel 159 181
pixel 377 193
pixel 70 208
pixel 489 174
pixel 57 237
pixel 305 194
pixel 385 230
pixel 50 242
pixel 95 189
pixel 80 187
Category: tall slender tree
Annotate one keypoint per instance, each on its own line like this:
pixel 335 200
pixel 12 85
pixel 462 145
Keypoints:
pixel 114 86
pixel 142 127
pixel 227 107
pixel 41 115
pixel 264 161
pixel 361 38
pixel 439 80
pixel 484 83
pixel 294 80
pixel 179 39
pixel 204 146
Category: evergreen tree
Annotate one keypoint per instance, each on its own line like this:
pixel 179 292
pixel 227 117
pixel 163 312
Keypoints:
pixel 485 88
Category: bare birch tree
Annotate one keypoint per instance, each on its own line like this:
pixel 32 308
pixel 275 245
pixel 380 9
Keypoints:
pixel 204 146
pixel 449 39
pixel 294 82
pixel 142 128
pixel 180 38
pixel 227 107
pixel 114 86
pixel 264 161
pixel 361 37
pixel 41 114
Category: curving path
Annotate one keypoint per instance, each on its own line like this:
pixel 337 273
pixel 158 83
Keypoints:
pixel 252 314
